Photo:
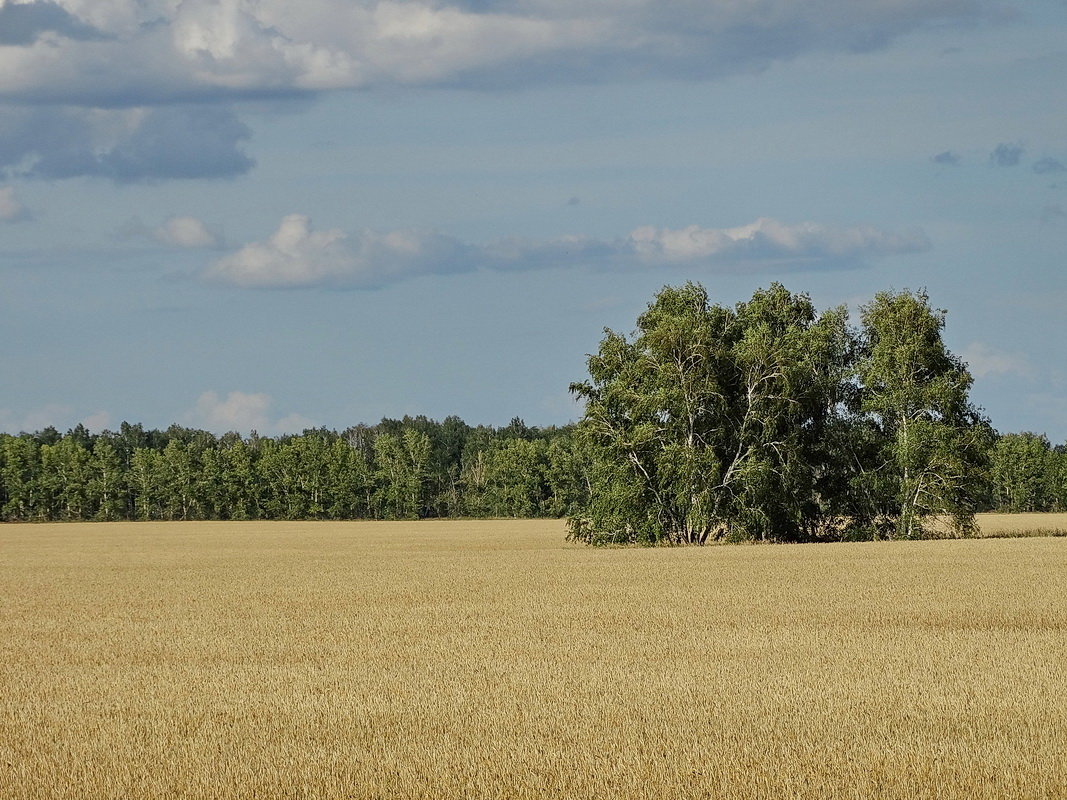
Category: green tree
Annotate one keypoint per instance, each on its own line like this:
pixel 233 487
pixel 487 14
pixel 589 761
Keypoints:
pixel 1024 475
pixel 932 443
pixel 65 471
pixel 1058 478
pixel 241 484
pixel 179 468
pixel 20 473
pixel 146 478
pixel 402 473
pixel 707 424
pixel 107 483
pixel 515 481
pixel 351 484
pixel 568 474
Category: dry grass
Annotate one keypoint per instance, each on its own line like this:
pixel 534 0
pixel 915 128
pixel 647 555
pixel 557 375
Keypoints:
pixel 491 660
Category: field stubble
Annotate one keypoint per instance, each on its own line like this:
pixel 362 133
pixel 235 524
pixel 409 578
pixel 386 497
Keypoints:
pixel 490 659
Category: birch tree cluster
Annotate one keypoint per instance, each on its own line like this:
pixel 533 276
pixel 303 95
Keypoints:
pixel 768 420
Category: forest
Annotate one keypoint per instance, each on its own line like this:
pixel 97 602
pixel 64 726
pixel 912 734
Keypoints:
pixel 397 469
pixel 409 468
pixel 764 420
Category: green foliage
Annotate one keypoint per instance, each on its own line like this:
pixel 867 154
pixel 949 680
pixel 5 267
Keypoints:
pixel 1025 473
pixel 22 477
pixel 931 445
pixel 768 420
pixel 707 425
pixel 403 468
pixel 399 469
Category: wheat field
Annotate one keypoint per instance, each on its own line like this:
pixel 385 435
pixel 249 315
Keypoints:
pixel 493 660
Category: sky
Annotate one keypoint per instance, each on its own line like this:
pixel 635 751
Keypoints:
pixel 260 214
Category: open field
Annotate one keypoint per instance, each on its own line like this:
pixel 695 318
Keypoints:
pixel 491 659
pixel 1022 524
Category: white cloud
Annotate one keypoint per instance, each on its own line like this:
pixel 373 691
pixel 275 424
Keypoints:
pixel 984 360
pixel 11 210
pixel 186 232
pixel 100 52
pixel 296 255
pixel 131 89
pixel 242 412
pixel 238 411
pixel 97 421
pixel 770 240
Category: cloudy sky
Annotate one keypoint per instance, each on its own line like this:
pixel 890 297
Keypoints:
pixel 239 214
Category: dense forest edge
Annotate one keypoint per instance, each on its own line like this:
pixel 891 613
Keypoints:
pixel 764 420
pixel 408 468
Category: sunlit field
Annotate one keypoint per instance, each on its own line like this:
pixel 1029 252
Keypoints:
pixel 494 660
pixel 1022 524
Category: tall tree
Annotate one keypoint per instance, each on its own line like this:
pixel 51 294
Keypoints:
pixel 107 482
pixel 20 471
pixel 241 485
pixel 706 424
pixel 515 483
pixel 933 442
pixel 146 480
pixel 402 471
pixel 65 470
pixel 1024 474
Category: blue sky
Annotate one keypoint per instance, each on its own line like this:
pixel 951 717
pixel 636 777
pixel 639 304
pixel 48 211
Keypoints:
pixel 273 215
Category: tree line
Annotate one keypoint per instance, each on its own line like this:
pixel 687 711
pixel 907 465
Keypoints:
pixel 764 420
pixel 398 469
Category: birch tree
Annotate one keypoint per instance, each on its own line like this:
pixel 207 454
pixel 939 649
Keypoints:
pixel 705 425
pixel 914 392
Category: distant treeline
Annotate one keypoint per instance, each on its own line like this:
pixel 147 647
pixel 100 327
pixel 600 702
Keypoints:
pixel 398 469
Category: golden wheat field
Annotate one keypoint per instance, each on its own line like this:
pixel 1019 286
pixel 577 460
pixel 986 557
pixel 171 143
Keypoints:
pixel 493 660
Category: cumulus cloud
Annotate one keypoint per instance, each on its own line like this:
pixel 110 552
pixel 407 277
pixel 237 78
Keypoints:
pixel 1006 155
pixel 11 210
pixel 242 412
pixel 97 53
pixel 1045 166
pixel 984 360
pixel 186 232
pixel 297 256
pixel 770 241
pixel 125 145
pixel 52 414
pixel 80 64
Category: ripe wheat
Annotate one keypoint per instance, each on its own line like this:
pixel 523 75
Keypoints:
pixel 491 660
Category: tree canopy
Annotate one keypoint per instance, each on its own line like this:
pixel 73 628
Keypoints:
pixel 769 420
